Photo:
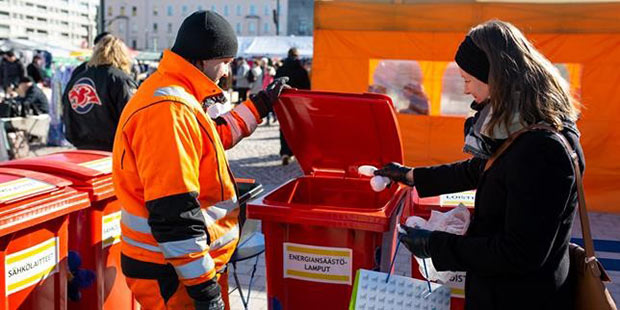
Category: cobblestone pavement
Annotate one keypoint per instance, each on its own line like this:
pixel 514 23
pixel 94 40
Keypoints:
pixel 257 157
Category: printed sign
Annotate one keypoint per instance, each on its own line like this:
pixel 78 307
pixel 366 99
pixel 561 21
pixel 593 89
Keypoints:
pixel 31 266
pixel 453 200
pixel 111 229
pixel 457 284
pixel 103 165
pixel 22 187
pixel 318 264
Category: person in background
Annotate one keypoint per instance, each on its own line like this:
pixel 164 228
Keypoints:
pixel 2 53
pixel 83 65
pixel 418 100
pixel 515 252
pixel 242 85
pixel 32 98
pixel 257 75
pixel 12 72
pixel 35 70
pixel 269 73
pixel 298 78
pixel 180 206
pixel 94 98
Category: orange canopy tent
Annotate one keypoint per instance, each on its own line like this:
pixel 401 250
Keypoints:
pixel 350 35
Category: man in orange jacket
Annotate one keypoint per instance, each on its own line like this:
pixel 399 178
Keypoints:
pixel 179 199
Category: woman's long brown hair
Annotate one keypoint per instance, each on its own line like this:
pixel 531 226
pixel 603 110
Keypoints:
pixel 521 79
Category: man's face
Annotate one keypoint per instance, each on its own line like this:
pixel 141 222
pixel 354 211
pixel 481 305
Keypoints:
pixel 22 88
pixel 215 69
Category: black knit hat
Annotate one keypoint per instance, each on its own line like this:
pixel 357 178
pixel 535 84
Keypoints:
pixel 473 60
pixel 205 35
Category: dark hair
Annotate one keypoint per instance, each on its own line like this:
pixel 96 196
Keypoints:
pixel 521 79
pixel 293 52
pixel 10 54
pixel 36 57
pixel 25 79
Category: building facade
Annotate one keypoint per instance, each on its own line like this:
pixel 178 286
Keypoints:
pixel 300 17
pixel 67 23
pixel 152 24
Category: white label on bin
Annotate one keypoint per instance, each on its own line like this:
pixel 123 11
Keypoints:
pixel 318 264
pixel 103 165
pixel 111 229
pixel 31 266
pixel 22 187
pixel 453 200
pixel 457 284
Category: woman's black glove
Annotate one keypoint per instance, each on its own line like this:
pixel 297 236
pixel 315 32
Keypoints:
pixel 264 99
pixel 416 240
pixel 396 172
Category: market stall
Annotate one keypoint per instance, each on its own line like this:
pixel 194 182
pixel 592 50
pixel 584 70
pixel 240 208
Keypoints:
pixel 581 37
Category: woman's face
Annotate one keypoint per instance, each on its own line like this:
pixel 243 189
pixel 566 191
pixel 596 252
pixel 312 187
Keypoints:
pixel 474 87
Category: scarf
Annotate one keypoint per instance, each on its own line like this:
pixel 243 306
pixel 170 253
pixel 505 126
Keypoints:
pixel 479 141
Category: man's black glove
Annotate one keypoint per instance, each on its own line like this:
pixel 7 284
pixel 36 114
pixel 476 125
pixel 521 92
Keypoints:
pixel 206 296
pixel 264 99
pixel 214 304
pixel 396 172
pixel 416 240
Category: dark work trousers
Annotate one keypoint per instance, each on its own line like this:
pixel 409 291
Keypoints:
pixel 243 93
pixel 284 149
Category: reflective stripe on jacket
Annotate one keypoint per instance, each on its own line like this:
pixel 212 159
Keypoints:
pixel 178 195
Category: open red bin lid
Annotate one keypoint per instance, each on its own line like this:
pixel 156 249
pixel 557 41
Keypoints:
pixel 90 170
pixel 28 198
pixel 335 133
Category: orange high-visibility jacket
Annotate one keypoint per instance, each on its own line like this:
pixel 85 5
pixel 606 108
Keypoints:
pixel 171 175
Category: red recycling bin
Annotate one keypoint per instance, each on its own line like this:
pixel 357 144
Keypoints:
pixel 95 232
pixel 34 218
pixel 422 207
pixel 322 227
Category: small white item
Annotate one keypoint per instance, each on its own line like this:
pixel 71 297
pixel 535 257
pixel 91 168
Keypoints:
pixel 377 182
pixel 367 170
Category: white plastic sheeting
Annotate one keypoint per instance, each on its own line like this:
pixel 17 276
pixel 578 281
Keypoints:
pixel 21 44
pixel 274 46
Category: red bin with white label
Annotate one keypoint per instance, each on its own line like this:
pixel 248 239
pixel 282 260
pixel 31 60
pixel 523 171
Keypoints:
pixel 95 232
pixel 423 207
pixel 34 220
pixel 322 227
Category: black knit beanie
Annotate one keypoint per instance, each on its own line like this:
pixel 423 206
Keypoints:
pixel 473 60
pixel 205 35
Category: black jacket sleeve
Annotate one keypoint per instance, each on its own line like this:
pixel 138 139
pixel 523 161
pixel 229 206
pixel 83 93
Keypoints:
pixel 451 178
pixel 124 88
pixel 539 182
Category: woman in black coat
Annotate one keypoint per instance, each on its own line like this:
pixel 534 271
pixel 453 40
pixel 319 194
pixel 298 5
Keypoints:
pixel 515 252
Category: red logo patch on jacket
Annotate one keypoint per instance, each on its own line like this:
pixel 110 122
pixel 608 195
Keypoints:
pixel 83 96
